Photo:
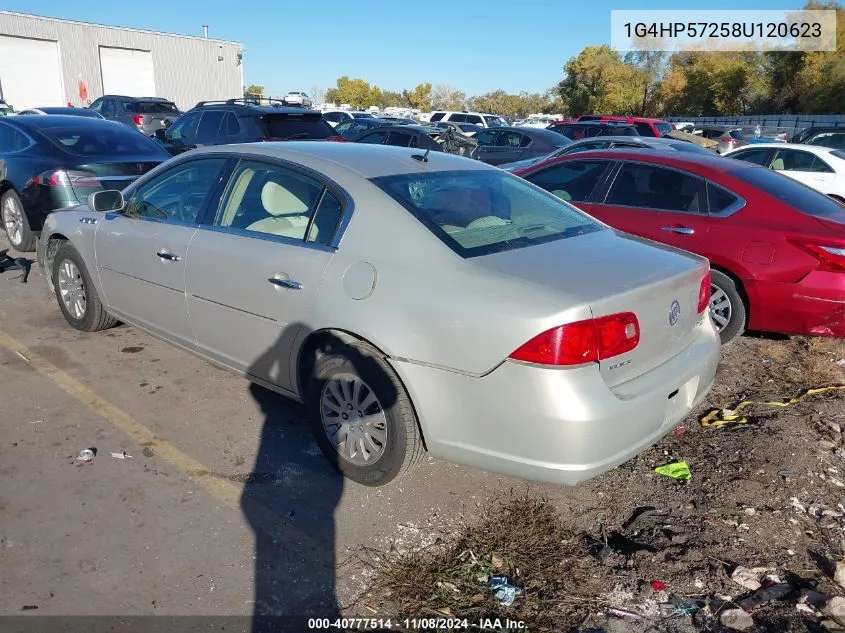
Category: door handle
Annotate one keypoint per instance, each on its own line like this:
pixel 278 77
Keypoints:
pixel 285 283
pixel 168 256
pixel 679 229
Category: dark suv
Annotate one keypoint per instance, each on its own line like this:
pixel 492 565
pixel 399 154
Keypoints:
pixel 146 114
pixel 587 129
pixel 243 121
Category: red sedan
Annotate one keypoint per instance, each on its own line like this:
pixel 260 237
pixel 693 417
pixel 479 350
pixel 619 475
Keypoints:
pixel 776 247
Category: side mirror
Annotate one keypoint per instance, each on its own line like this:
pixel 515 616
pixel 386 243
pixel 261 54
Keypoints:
pixel 160 134
pixel 104 201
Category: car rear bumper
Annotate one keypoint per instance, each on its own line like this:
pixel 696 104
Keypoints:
pixel 815 305
pixel 560 426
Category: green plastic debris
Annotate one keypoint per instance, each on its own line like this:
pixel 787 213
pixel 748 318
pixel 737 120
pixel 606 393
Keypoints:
pixel 675 470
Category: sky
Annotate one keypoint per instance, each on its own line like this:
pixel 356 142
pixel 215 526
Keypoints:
pixel 471 45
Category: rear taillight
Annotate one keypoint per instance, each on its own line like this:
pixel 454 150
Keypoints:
pixel 583 341
pixel 831 258
pixel 704 293
pixel 67 178
pixel 138 119
pixel 336 139
pixel 727 139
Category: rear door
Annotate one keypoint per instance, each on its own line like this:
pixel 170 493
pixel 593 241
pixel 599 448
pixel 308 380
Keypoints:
pixel 208 130
pixel 255 266
pixel 486 151
pixel 182 135
pixel 759 156
pixel 657 202
pixel 805 167
pixel 141 252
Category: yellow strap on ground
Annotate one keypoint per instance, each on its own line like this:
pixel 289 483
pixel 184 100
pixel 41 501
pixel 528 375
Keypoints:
pixel 721 417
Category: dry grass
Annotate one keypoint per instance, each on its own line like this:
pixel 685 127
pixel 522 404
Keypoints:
pixel 518 536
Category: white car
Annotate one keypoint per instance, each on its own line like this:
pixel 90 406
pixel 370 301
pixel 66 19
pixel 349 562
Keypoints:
pixel 333 116
pixel 479 118
pixel 822 168
pixel 541 122
pixel 297 99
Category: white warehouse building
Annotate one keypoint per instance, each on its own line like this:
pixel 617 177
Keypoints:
pixel 52 62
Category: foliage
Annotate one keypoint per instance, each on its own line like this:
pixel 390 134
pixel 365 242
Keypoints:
pixel 419 97
pixel 356 92
pixel 254 89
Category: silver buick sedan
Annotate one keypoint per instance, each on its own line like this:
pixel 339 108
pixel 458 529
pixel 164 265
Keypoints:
pixel 413 301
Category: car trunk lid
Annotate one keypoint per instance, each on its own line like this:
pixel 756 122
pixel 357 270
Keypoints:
pixel 615 273
pixel 102 174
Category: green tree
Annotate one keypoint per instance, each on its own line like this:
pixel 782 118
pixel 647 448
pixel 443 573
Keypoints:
pixel 254 89
pixel 599 80
pixel 356 92
pixel 394 99
pixel 419 97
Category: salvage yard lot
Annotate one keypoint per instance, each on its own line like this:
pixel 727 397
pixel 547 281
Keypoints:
pixel 224 504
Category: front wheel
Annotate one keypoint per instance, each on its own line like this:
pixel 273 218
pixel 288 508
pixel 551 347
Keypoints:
pixel 78 299
pixel 727 308
pixel 362 417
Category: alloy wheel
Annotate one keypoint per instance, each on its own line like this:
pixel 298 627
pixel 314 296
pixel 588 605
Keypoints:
pixel 72 289
pixel 13 221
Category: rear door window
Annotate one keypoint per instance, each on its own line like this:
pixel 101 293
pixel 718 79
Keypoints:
pixel 437 116
pixel 573 181
pixel 650 187
pixel 458 118
pixel 485 138
pixel 375 138
pixel 294 126
pixel 756 156
pixel 401 139
pixel 512 139
pixel 720 199
pixel 474 118
pixel 185 129
pixel 209 127
pixel 644 129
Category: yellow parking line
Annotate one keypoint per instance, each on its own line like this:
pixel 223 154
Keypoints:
pixel 221 489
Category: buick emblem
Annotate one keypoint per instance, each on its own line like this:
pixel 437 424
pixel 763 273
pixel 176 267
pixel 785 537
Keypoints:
pixel 674 313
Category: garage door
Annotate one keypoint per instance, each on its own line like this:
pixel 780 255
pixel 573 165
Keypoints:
pixel 30 72
pixel 127 72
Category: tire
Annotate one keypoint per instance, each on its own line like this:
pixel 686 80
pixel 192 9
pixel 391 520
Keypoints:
pixel 726 302
pixel 15 223
pixel 74 279
pixel 401 443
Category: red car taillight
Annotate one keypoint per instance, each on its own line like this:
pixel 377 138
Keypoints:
pixel 336 139
pixel 831 258
pixel 67 178
pixel 704 293
pixel 586 341
pixel 138 119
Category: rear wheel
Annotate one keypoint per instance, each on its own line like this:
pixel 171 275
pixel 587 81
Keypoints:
pixel 15 223
pixel 362 417
pixel 78 299
pixel 727 307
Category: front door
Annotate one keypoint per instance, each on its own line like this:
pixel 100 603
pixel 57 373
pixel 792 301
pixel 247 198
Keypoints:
pixel 254 270
pixel 141 251
pixel 805 167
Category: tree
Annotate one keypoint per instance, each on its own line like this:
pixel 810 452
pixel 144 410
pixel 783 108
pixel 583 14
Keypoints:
pixel 254 89
pixel 445 97
pixel 394 99
pixel 318 95
pixel 419 97
pixel 356 92
pixel 599 80
pixel 652 66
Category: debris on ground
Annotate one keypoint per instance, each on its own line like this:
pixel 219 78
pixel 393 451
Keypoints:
pixel 87 455
pixel 764 499
pixel 122 455
pixel 504 591
pixel 675 470
pixel 839 574
pixel 736 619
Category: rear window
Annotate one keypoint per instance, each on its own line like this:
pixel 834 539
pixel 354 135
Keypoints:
pixel 108 138
pixel 477 212
pixel 287 127
pixel 150 107
pixel 800 197
pixel 664 128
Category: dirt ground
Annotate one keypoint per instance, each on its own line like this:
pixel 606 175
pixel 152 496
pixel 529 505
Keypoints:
pixel 765 494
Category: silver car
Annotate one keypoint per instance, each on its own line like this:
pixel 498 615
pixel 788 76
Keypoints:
pixel 413 301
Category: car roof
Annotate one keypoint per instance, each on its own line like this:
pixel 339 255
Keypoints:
pixel 683 160
pixel 60 120
pixel 816 149
pixel 261 109
pixel 158 99
pixel 365 160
